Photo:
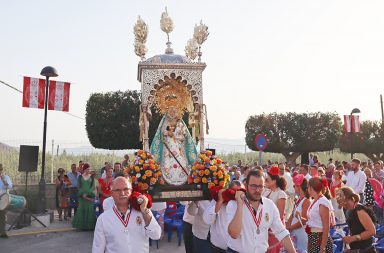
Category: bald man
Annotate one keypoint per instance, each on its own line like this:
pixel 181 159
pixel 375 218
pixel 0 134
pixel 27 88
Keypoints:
pixel 123 229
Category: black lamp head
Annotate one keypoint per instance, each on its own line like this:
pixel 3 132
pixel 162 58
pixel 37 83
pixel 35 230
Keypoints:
pixel 49 72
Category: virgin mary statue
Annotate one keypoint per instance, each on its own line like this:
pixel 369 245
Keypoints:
pixel 173 149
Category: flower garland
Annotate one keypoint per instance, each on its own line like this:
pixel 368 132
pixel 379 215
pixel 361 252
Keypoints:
pixel 144 172
pixel 209 170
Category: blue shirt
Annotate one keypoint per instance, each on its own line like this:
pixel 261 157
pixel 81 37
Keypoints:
pixel 73 178
pixel 3 187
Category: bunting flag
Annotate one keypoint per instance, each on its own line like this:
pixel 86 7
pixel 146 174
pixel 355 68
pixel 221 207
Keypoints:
pixel 58 98
pixel 351 124
pixel 33 92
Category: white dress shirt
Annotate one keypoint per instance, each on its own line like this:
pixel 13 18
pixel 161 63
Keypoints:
pixel 200 229
pixel 219 225
pixel 356 180
pixel 290 190
pixel 314 218
pixel 4 188
pixel 111 236
pixel 249 241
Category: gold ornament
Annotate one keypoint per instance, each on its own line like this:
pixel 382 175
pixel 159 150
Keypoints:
pixel 173 95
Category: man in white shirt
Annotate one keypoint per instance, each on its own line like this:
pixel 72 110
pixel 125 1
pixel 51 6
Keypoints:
pixel 123 229
pixel 250 217
pixel 216 217
pixel 5 185
pixel 200 229
pixel 188 221
pixel 356 179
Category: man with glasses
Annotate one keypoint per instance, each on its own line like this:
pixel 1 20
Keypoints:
pixel 250 216
pixel 122 228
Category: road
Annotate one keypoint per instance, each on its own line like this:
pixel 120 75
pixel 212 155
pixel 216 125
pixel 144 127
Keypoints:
pixel 68 242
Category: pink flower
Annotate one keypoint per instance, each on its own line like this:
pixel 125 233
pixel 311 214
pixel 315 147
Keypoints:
pixel 175 165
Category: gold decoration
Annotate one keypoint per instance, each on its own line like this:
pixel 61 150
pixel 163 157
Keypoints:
pixel 141 33
pixel 176 95
pixel 166 23
pixel 191 49
pixel 140 30
pixel 200 33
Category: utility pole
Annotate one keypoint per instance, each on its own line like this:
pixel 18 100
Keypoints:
pixel 382 110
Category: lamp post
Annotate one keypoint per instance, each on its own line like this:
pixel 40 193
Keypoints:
pixel 47 72
pixel 355 110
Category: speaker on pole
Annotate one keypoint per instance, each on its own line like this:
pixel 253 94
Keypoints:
pixel 28 158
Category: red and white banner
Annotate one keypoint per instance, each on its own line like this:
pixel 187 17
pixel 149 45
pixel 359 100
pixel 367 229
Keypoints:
pixel 351 124
pixel 33 92
pixel 58 98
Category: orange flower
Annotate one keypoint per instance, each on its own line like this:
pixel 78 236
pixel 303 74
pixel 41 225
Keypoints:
pixel 153 180
pixel 137 168
pixel 204 180
pixel 209 153
pixel 201 173
pixel 196 180
pixel 144 177
pixel 221 183
pixel 215 181
pixel 194 173
pixel 207 160
pixel 207 172
pixel 213 168
pixel 133 179
pixel 145 166
pixel 141 162
pixel 220 174
pixel 210 185
pixel 152 166
pixel 219 161
pixel 148 173
pixel 140 184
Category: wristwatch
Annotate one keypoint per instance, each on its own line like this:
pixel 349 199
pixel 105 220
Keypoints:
pixel 358 237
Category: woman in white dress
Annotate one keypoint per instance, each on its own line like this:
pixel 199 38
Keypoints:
pixel 297 221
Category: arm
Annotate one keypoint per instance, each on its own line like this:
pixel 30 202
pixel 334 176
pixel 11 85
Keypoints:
pixel 9 182
pixel 369 228
pixel 281 207
pixel 235 225
pixel 193 208
pixel 324 214
pixel 99 241
pixel 288 245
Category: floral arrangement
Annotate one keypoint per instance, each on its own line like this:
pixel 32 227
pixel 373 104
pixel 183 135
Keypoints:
pixel 209 171
pixel 144 172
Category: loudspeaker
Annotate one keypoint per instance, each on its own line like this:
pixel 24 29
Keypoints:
pixel 28 158
pixel 213 150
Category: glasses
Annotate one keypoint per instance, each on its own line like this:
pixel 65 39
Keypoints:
pixel 256 187
pixel 125 190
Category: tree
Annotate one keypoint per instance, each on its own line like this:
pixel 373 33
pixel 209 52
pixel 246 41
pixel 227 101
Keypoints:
pixel 370 140
pixel 292 134
pixel 112 120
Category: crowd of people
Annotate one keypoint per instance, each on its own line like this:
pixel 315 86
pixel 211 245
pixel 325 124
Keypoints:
pixel 275 207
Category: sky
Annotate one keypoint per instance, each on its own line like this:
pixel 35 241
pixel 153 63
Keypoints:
pixel 262 56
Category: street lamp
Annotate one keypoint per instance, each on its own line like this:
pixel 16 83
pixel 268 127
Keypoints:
pixel 355 110
pixel 47 72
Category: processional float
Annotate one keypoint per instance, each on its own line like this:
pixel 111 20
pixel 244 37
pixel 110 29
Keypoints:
pixel 169 166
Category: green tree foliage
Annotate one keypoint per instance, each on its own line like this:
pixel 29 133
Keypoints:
pixel 112 120
pixel 292 134
pixel 370 140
